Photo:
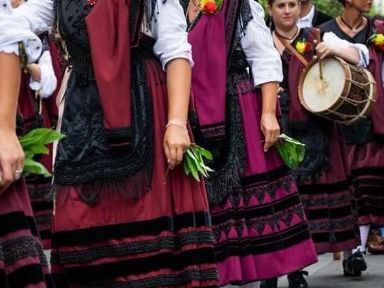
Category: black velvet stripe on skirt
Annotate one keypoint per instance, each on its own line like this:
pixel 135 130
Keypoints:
pixel 367 175
pixel 42 207
pixel 22 260
pixel 331 215
pixel 163 238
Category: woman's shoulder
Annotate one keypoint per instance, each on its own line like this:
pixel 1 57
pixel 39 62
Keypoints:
pixel 328 26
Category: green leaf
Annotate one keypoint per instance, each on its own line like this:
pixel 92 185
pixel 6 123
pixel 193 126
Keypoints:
pixel 38 149
pixel 194 162
pixel 187 170
pixel 291 151
pixel 34 143
pixel 40 136
pixel 193 168
pixel 33 167
pixel 207 154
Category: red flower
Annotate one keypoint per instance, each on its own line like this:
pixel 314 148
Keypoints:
pixel 308 47
pixel 210 7
pixel 380 47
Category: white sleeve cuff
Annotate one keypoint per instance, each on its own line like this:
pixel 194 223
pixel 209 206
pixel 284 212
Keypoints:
pixel 48 82
pixel 15 29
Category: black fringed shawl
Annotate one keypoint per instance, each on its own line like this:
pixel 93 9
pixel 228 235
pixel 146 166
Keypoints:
pixel 218 124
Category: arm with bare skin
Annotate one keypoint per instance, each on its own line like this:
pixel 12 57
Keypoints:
pixel 11 153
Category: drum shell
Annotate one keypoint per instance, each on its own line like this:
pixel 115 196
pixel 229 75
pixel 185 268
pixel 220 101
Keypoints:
pixel 356 99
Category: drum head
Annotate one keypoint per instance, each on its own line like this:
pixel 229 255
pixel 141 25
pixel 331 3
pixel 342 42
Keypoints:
pixel 318 95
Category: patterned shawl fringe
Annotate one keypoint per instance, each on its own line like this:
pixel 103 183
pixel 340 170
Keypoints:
pixel 94 192
pixel 226 180
pixel 315 162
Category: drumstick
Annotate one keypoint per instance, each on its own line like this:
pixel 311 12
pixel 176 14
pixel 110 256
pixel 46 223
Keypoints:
pixel 318 38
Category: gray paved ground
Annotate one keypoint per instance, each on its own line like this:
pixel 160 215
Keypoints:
pixel 328 273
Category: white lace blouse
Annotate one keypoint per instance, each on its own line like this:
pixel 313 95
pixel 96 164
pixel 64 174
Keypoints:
pixel 257 44
pixel 14 29
pixel 168 29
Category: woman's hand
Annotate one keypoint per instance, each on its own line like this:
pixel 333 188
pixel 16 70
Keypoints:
pixel 35 71
pixel 270 128
pixel 11 159
pixel 323 50
pixel 176 141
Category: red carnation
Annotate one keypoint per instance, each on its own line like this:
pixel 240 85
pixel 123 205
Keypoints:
pixel 210 7
pixel 380 47
pixel 308 47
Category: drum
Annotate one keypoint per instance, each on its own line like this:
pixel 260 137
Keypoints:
pixel 345 93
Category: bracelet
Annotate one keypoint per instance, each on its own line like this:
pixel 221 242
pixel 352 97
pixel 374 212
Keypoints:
pixel 177 122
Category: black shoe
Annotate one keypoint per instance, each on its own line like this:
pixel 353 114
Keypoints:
pixel 354 265
pixel 270 283
pixel 357 262
pixel 348 271
pixel 296 279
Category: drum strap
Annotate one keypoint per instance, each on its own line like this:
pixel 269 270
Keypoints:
pixel 292 50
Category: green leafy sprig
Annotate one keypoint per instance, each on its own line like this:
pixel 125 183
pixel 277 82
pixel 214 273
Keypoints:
pixel 291 151
pixel 34 143
pixel 194 164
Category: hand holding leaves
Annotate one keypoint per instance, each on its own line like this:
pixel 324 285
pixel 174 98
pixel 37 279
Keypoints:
pixel 194 164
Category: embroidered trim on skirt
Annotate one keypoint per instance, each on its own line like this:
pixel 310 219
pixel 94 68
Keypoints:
pixel 22 260
pixel 329 202
pixel 261 230
pixel 367 165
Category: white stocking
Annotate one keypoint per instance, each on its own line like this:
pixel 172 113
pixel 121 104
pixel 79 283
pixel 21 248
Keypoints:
pixel 364 231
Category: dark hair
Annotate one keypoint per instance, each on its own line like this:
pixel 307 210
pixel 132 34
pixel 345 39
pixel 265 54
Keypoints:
pixel 342 2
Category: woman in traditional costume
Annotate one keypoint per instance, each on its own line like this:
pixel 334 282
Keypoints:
pixel 22 260
pixel 365 138
pixel 125 212
pixel 259 223
pixel 37 98
pixel 38 90
pixel 322 177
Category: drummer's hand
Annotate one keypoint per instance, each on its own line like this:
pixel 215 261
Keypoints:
pixel 323 50
pixel 11 159
pixel 35 71
pixel 270 128
pixel 175 143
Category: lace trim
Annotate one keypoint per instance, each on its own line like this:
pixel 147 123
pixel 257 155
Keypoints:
pixel 333 225
pixel 134 248
pixel 326 202
pixel 230 153
pixel 20 248
pixel 260 223
pixel 261 191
